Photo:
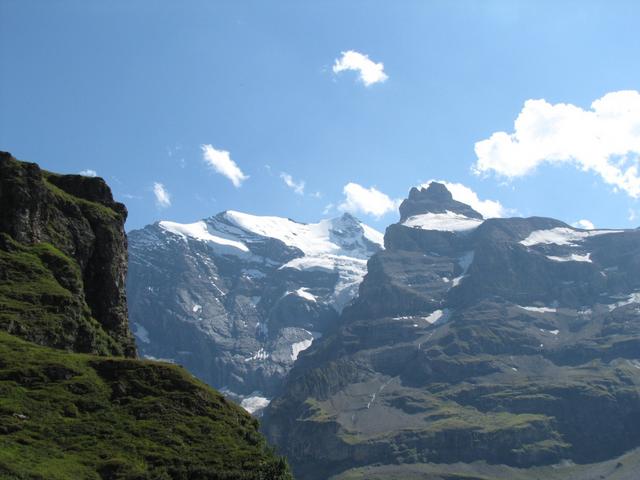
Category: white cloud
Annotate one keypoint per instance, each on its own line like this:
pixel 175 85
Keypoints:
pixel 221 162
pixel 163 198
pixel 462 193
pixel 367 200
pixel 369 71
pixel 632 215
pixel 585 224
pixel 328 208
pixel 89 173
pixel 604 139
pixel 297 187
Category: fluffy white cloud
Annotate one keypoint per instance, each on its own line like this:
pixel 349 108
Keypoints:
pixel 604 139
pixel 462 193
pixel 366 200
pixel 221 162
pixel 585 224
pixel 163 198
pixel 297 187
pixel 89 173
pixel 369 71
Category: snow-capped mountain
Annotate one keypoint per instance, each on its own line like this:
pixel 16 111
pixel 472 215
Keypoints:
pixel 236 297
pixel 473 342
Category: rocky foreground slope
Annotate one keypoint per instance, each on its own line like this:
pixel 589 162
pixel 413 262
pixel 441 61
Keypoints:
pixel 74 402
pixel 511 342
pixel 236 297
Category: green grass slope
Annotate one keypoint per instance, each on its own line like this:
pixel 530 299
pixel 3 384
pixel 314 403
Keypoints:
pixel 77 416
pixel 41 299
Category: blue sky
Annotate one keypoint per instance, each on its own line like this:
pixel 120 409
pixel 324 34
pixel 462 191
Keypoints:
pixel 134 89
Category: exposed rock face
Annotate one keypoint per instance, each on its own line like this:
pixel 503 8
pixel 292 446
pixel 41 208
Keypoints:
pixel 78 217
pixel 509 341
pixel 236 297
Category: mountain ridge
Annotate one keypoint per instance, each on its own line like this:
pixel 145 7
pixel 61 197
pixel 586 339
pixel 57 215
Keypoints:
pixel 237 297
pixel 509 341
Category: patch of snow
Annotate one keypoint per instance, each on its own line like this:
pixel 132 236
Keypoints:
pixel 141 333
pixel 456 281
pixel 156 359
pixel 437 316
pixel 373 235
pixel 298 347
pixel 324 262
pixel 552 332
pixel 196 308
pixel 313 238
pixel 261 354
pixel 304 293
pixel 350 272
pixel 561 236
pixel 539 309
pixel 447 222
pixel 465 262
pixel 253 273
pixel 199 231
pixel 254 402
pixel 574 257
pixel 218 289
pixel 633 298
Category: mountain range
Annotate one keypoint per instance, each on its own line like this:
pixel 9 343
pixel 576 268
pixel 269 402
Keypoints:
pixel 236 297
pixel 476 348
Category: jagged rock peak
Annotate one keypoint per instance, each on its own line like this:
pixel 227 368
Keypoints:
pixel 436 198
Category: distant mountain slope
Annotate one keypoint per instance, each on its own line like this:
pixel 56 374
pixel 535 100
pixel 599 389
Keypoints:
pixel 66 415
pixel 236 297
pixel 508 341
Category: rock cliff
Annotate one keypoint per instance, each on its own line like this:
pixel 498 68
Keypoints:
pixel 65 232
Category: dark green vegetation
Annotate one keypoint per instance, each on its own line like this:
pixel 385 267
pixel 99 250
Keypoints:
pixel 42 300
pixel 532 362
pixel 71 416
pixel 68 415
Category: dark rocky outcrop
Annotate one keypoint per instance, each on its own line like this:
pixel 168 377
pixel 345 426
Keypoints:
pixel 78 218
pixel 433 199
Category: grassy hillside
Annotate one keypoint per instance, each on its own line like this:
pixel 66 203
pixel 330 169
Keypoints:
pixel 70 416
pixel 66 415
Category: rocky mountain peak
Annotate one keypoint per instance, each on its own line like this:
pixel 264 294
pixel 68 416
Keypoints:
pixel 436 199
